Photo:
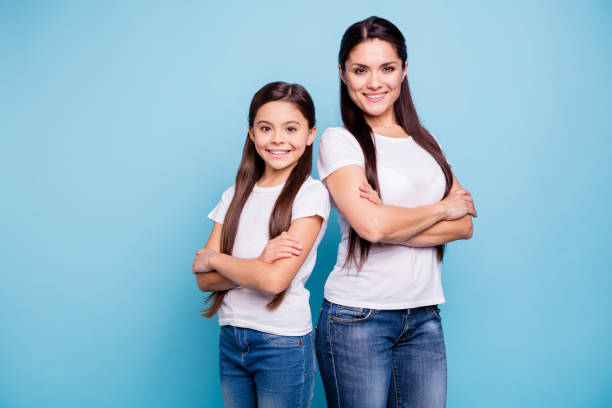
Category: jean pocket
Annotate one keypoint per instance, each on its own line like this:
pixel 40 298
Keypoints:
pixel 283 341
pixel 349 314
pixel 435 311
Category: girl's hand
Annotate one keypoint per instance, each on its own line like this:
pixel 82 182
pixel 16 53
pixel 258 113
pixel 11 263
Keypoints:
pixel 458 204
pixel 366 191
pixel 201 262
pixel 283 246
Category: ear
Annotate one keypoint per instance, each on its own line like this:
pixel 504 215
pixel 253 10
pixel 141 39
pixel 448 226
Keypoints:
pixel 251 134
pixel 341 74
pixel 312 133
pixel 405 70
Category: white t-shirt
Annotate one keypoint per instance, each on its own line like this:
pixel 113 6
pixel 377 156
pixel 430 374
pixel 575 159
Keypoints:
pixel 394 276
pixel 243 307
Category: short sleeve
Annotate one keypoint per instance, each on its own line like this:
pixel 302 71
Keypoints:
pixel 312 199
pixel 440 146
pixel 218 213
pixel 337 148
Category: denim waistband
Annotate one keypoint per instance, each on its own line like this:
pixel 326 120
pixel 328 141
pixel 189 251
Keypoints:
pixel 327 303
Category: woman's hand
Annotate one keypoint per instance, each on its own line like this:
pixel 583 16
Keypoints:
pixel 201 262
pixel 458 204
pixel 283 246
pixel 366 191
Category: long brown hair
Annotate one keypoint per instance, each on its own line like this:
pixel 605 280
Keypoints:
pixel 405 114
pixel 252 169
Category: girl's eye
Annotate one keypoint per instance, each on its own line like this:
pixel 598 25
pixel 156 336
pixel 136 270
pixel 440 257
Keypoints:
pixel 265 128
pixel 291 129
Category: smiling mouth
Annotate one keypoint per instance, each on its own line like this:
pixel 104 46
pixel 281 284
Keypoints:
pixel 278 153
pixel 375 97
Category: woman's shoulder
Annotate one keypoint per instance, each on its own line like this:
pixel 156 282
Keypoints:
pixel 337 131
pixel 338 148
pixel 228 194
pixel 337 137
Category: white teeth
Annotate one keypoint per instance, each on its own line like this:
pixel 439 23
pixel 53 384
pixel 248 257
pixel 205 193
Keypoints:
pixel 375 96
pixel 278 152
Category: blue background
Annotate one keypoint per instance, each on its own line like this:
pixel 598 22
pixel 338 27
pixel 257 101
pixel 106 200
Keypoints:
pixel 121 123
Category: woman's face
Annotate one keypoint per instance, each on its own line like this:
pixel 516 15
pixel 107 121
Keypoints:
pixel 373 75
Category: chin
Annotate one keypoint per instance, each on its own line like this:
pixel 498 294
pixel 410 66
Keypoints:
pixel 375 111
pixel 279 166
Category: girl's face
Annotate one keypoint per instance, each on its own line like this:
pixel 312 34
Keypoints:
pixel 373 75
pixel 280 133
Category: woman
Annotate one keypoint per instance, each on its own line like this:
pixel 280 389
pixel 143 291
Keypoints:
pixel 379 338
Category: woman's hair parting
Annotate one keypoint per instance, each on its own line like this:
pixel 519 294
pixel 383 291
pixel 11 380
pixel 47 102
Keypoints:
pixel 252 168
pixel 405 114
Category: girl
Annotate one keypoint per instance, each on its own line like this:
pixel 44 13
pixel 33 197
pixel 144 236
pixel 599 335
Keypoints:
pixel 379 338
pixel 266 344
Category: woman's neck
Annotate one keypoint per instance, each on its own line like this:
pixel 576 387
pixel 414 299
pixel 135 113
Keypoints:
pixel 385 120
pixel 386 126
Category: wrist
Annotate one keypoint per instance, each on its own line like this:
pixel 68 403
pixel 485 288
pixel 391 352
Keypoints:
pixel 213 261
pixel 441 210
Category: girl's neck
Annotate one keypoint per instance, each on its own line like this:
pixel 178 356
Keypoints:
pixel 273 177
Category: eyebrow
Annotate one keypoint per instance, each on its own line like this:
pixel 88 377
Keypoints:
pixel 383 64
pixel 259 122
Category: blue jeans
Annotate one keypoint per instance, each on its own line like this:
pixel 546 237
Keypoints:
pixel 266 370
pixel 381 358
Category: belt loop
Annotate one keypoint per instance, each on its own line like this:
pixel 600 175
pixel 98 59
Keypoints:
pixel 332 309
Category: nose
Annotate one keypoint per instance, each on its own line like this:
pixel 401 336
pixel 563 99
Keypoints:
pixel 277 137
pixel 374 81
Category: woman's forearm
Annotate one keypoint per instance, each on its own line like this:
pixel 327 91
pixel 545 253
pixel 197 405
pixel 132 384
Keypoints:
pixel 442 232
pixel 379 223
pixel 424 226
pixel 396 225
pixel 213 282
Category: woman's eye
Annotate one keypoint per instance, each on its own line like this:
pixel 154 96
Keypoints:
pixel 389 69
pixel 359 71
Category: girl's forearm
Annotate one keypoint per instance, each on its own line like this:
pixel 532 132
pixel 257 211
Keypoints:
pixel 213 282
pixel 250 273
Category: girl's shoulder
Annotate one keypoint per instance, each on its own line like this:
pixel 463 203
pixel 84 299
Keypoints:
pixel 218 213
pixel 313 190
pixel 311 199
pixel 312 186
